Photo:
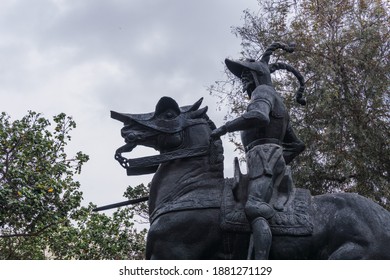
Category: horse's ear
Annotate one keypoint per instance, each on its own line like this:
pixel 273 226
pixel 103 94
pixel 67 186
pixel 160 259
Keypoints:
pixel 196 105
pixel 198 113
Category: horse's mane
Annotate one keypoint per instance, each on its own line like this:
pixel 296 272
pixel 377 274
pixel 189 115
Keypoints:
pixel 216 147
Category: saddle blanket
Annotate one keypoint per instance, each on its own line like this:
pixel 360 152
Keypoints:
pixel 295 219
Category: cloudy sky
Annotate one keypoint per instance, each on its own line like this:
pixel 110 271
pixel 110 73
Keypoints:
pixel 88 57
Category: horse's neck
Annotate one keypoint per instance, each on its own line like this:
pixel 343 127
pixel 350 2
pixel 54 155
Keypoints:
pixel 180 169
pixel 177 175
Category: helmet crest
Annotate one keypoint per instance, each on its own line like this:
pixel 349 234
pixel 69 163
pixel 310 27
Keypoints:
pixel 263 67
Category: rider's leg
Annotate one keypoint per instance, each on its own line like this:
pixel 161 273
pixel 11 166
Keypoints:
pixel 262 238
pixel 259 193
pixel 283 191
pixel 258 211
pixel 266 169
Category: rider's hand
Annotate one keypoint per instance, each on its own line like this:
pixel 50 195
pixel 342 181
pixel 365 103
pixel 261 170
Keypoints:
pixel 216 133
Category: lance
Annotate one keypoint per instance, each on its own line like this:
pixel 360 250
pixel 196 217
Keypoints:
pixel 120 204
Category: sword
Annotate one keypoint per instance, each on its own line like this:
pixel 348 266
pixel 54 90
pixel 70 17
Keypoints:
pixel 120 204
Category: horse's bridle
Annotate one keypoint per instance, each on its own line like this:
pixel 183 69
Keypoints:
pixel 149 164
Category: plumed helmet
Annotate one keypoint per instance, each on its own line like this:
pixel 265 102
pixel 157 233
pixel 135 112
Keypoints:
pixel 237 67
pixel 262 67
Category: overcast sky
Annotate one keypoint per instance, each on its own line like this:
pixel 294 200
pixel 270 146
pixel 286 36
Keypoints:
pixel 87 57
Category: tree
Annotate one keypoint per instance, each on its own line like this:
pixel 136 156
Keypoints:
pixel 37 190
pixel 343 51
pixel 40 213
pixel 97 236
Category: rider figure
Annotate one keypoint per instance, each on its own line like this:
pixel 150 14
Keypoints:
pixel 268 138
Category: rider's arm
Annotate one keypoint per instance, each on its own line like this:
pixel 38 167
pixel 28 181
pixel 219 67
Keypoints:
pixel 250 119
pixel 292 145
pixel 257 114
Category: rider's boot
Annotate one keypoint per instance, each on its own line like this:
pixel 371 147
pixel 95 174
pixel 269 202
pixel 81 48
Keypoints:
pixel 257 213
pixel 262 238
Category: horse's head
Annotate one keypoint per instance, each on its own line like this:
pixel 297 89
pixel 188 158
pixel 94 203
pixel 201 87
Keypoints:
pixel 170 128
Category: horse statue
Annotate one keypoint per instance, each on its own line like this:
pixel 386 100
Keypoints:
pixel 195 213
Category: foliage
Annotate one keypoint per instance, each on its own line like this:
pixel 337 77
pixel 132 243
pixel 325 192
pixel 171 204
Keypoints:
pixel 37 190
pixel 40 213
pixel 140 209
pixel 343 51
pixel 97 236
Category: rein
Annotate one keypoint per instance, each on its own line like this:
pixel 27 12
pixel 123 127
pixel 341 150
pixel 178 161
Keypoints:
pixel 149 164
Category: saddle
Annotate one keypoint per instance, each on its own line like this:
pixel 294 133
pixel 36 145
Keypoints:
pixel 292 206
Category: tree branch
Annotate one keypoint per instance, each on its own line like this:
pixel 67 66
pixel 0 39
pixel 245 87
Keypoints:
pixel 339 179
pixel 31 234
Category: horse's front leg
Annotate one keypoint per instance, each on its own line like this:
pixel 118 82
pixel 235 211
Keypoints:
pixel 185 235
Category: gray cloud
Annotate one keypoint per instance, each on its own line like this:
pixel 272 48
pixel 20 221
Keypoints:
pixel 87 57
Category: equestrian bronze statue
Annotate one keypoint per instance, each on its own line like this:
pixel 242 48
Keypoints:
pixel 197 213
